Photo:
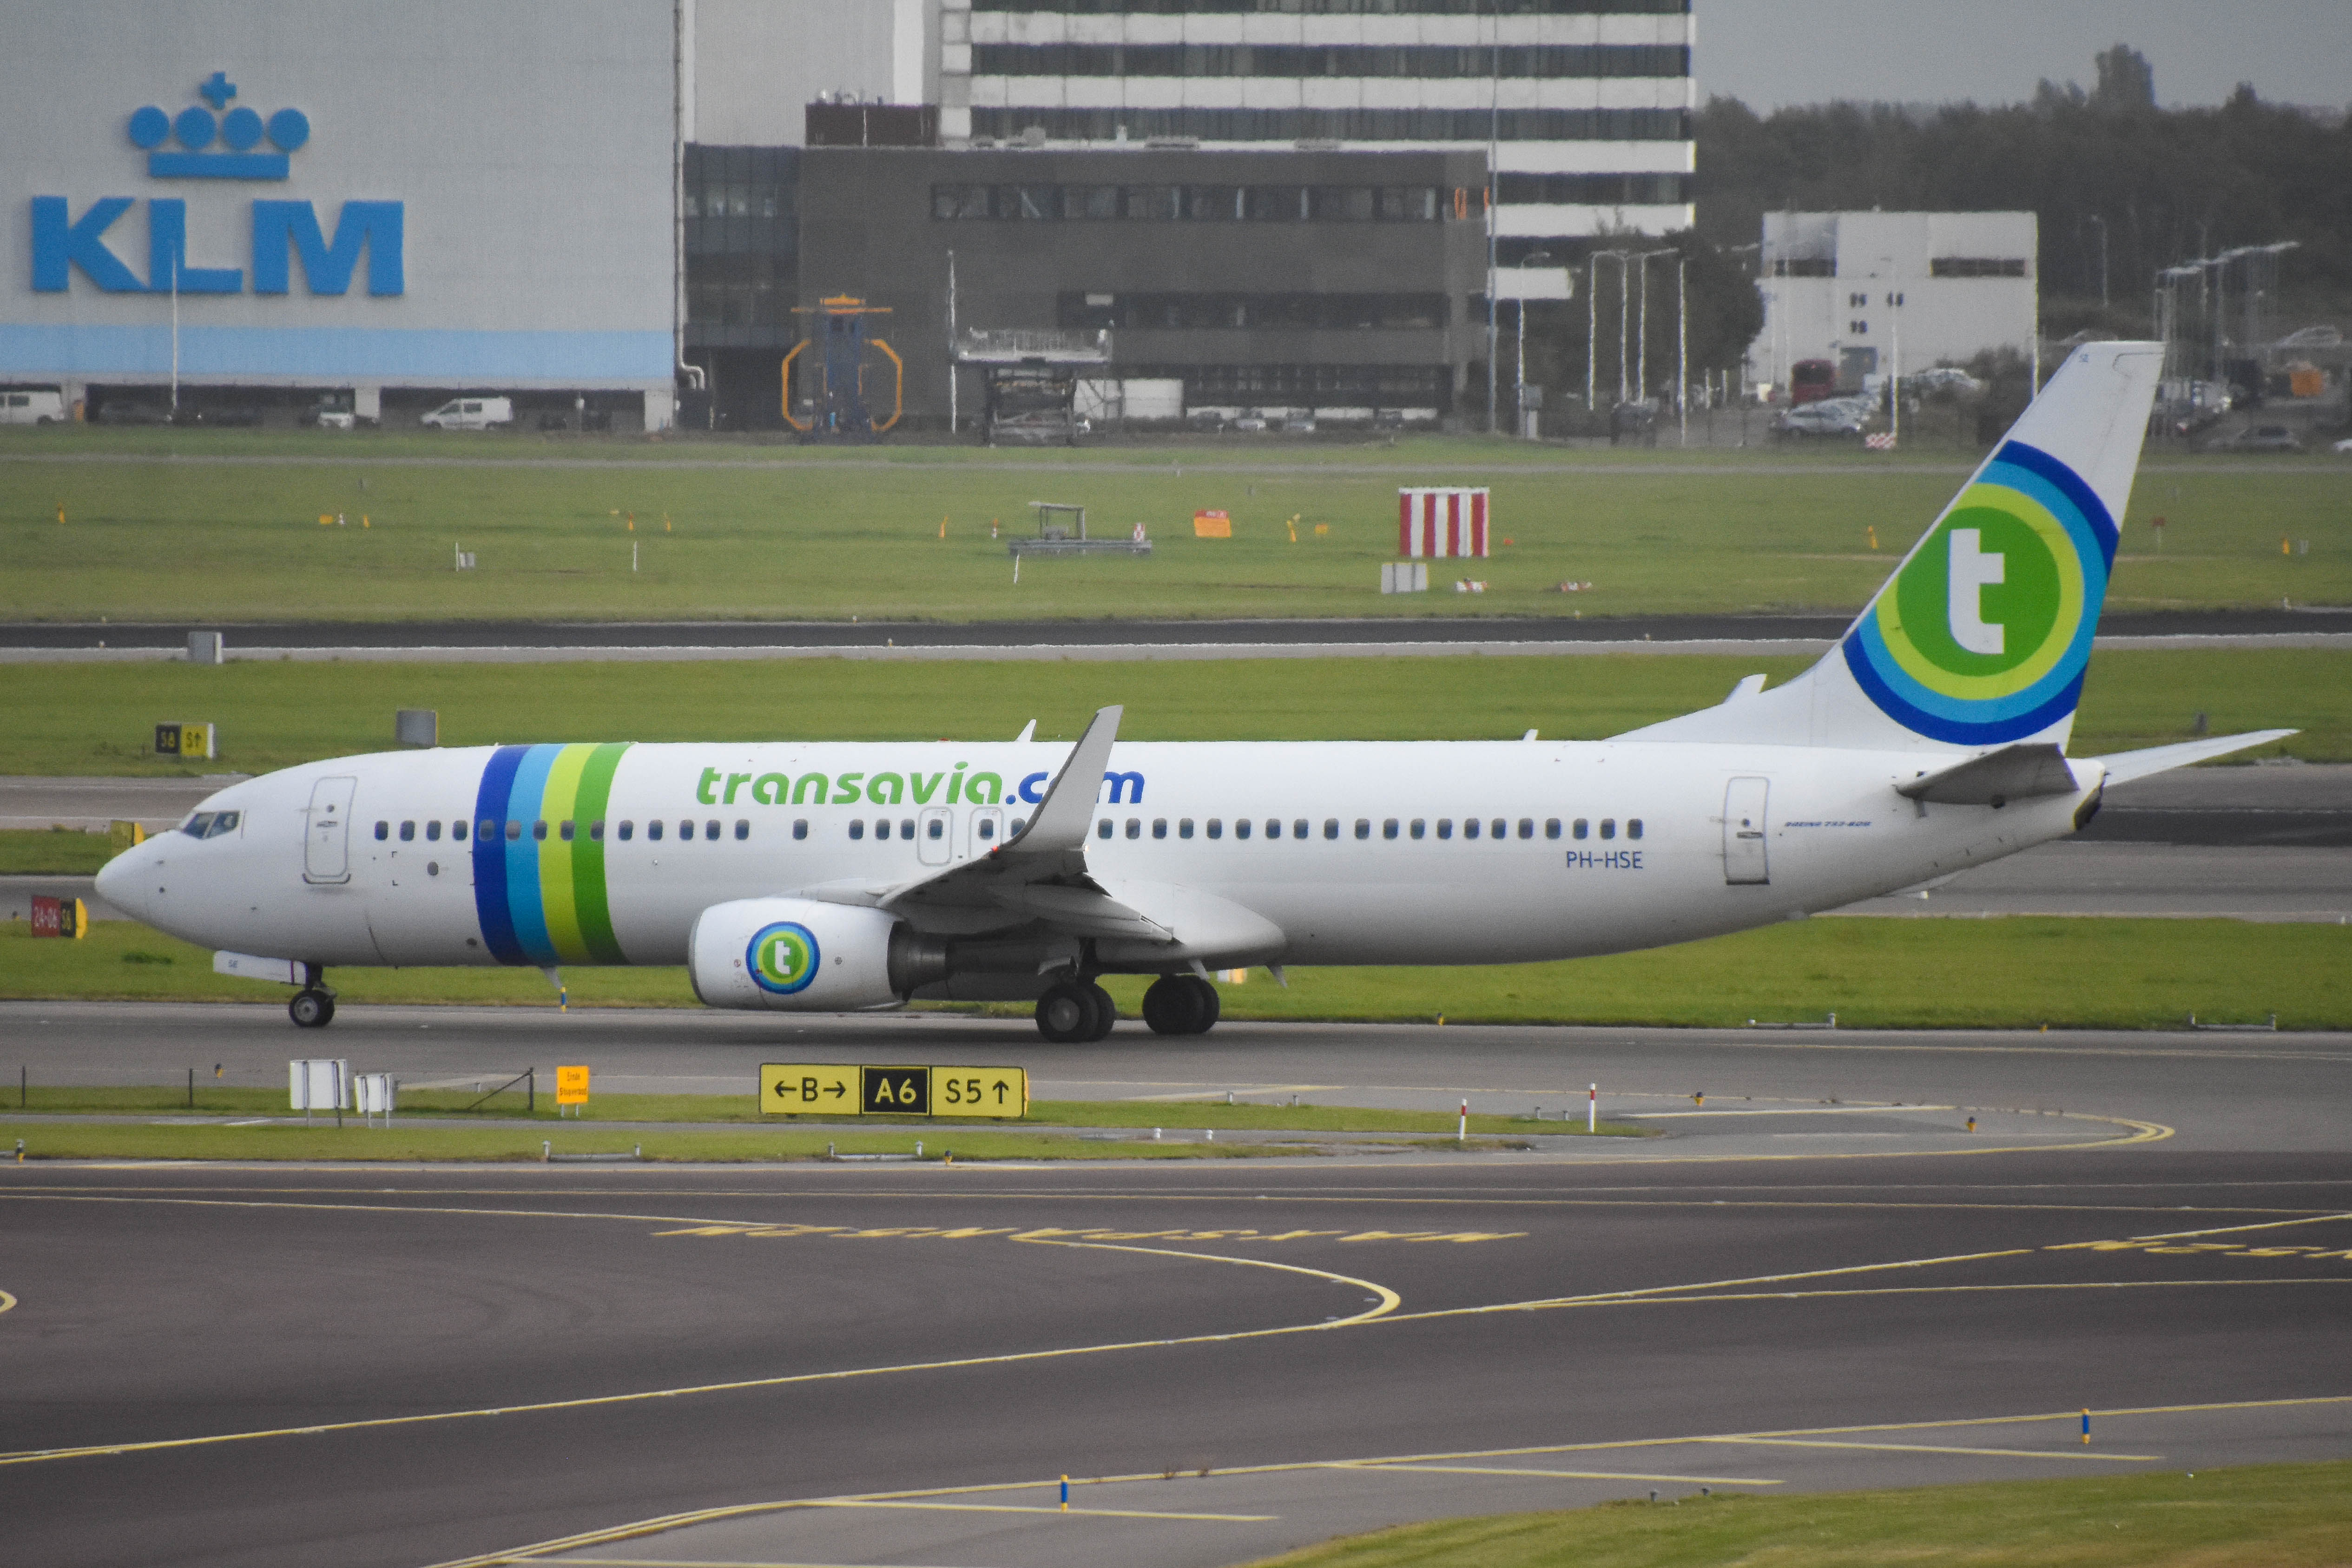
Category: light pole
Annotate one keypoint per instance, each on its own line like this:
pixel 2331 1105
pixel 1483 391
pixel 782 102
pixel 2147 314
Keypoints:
pixel 1681 347
pixel 1641 362
pixel 1520 394
pixel 1591 323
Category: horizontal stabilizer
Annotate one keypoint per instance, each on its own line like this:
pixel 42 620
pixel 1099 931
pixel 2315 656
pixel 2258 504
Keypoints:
pixel 2126 766
pixel 2013 772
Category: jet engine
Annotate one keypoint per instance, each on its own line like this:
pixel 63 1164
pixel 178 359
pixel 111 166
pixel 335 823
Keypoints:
pixel 801 955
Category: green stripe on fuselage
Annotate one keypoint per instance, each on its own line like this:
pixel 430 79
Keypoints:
pixel 592 906
pixel 558 898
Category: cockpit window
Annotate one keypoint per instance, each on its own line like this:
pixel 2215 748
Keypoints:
pixel 210 824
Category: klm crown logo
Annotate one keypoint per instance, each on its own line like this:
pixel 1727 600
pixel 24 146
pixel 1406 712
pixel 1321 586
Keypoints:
pixel 240 131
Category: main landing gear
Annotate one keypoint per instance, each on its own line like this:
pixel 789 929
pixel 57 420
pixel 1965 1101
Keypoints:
pixel 1181 1005
pixel 1073 1012
pixel 313 1006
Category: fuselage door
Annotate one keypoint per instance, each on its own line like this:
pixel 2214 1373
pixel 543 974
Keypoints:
pixel 326 845
pixel 934 843
pixel 1743 831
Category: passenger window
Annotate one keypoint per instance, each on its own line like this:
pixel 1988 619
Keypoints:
pixel 799 828
pixel 1241 827
pixel 433 831
pixel 490 829
pixel 933 829
pixel 1579 830
pixel 1217 828
pixel 539 830
pixel 1330 828
pixel 711 829
pixel 1608 827
pixel 514 829
pixel 408 832
pixel 629 830
pixel 1419 828
pixel 1470 828
pixel 742 829
pixel 1183 828
pixel 986 828
pixel 1364 828
pixel 1274 828
pixel 564 831
pixel 686 830
pixel 1502 828
pixel 383 829
pixel 1633 828
pixel 1445 827
pixel 1018 823
pixel 1526 827
pixel 1135 827
pixel 857 827
pixel 1299 829
pixel 596 831
pixel 1102 828
pixel 457 831
pixel 1551 827
pixel 907 828
pixel 1389 828
pixel 881 827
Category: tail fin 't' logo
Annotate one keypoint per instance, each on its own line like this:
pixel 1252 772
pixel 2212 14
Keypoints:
pixel 1982 636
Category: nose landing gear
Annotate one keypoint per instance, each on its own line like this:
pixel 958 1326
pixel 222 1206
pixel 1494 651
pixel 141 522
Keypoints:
pixel 313 1006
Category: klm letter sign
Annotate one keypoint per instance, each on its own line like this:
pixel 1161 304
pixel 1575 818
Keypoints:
pixel 213 145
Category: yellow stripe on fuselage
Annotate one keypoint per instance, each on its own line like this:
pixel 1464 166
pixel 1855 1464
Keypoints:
pixel 555 856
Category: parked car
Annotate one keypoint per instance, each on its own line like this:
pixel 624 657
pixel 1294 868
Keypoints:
pixel 2345 447
pixel 1942 377
pixel 2259 438
pixel 1818 420
pixel 33 405
pixel 471 413
pixel 123 412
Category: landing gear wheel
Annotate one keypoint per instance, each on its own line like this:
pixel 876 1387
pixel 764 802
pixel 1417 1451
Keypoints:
pixel 311 1009
pixel 1206 1018
pixel 1066 1014
pixel 1106 1013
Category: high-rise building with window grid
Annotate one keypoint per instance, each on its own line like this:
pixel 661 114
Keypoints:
pixel 1587 103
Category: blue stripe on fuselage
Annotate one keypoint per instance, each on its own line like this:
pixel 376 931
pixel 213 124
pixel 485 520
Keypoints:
pixel 489 855
pixel 524 906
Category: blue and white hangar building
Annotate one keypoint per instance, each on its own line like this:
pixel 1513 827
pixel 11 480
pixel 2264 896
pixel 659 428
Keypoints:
pixel 384 205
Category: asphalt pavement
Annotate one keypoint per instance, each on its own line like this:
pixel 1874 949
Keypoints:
pixel 895 1365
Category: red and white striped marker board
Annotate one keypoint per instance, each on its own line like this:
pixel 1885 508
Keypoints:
pixel 1441 522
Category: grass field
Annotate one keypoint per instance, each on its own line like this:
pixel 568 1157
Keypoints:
pixel 52 852
pixel 2266 1516
pixel 732 531
pixel 99 719
pixel 2018 972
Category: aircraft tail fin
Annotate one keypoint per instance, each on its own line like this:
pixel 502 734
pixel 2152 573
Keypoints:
pixel 1980 638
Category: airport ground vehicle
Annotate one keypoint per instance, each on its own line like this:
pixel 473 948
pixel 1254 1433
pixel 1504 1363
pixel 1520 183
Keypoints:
pixel 2259 438
pixel 471 413
pixel 1818 420
pixel 816 876
pixel 1810 380
pixel 32 406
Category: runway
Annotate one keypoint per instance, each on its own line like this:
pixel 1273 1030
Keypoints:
pixel 895 1365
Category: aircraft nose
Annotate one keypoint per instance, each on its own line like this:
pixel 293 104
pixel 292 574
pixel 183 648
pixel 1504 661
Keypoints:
pixel 124 881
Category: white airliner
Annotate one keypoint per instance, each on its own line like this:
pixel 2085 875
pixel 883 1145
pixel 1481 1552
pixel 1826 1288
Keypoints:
pixel 804 876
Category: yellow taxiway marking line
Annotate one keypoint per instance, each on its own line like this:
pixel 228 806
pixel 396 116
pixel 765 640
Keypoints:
pixel 2232 1229
pixel 691 1563
pixel 1044 1508
pixel 1385 1301
pixel 1553 1475
pixel 6 1301
pixel 1782 1111
pixel 545 1548
pixel 1926 1449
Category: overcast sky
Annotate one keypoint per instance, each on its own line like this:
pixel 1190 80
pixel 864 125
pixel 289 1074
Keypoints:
pixel 1768 52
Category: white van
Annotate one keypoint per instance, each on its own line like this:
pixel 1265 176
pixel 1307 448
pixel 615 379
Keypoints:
pixel 37 405
pixel 471 413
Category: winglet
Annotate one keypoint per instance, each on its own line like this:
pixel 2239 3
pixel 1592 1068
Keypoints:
pixel 1061 816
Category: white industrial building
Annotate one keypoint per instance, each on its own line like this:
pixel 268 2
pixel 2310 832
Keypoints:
pixel 1876 293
